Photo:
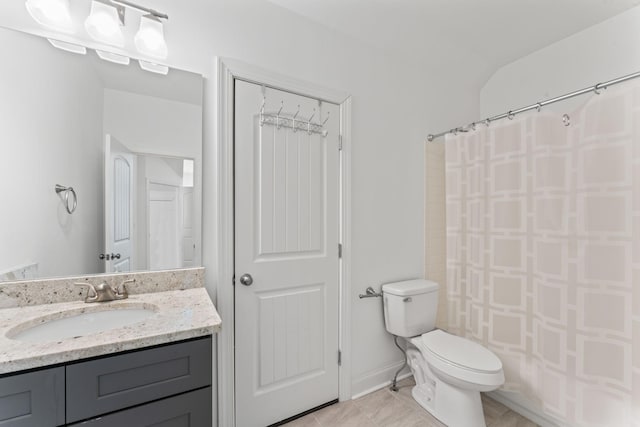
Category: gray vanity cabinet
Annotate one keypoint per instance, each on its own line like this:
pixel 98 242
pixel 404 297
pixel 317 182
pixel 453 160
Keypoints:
pixel 191 409
pixel 108 384
pixel 33 399
pixel 168 386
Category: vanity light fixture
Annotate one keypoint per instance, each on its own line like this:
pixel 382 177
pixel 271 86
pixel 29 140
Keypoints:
pixel 153 68
pixel 104 23
pixel 69 47
pixel 149 39
pixel 51 13
pixel 113 57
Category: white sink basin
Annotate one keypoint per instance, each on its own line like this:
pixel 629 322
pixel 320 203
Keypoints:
pixel 80 322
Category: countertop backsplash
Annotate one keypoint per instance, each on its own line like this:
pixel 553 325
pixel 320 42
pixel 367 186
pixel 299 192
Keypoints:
pixel 47 291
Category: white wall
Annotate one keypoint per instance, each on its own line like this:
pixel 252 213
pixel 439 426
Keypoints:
pixel 395 106
pixel 147 124
pixel 48 97
pixel 603 52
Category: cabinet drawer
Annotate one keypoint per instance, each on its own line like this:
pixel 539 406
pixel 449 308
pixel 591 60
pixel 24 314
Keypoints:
pixel 117 382
pixel 33 399
pixel 191 409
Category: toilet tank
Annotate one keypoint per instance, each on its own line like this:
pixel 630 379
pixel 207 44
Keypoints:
pixel 410 307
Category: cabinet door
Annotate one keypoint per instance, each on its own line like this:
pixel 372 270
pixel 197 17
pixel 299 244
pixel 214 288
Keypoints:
pixel 191 409
pixel 32 399
pixel 112 383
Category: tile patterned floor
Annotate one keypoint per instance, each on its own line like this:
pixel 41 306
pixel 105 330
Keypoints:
pixel 385 408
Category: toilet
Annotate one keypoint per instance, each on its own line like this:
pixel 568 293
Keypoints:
pixel 450 371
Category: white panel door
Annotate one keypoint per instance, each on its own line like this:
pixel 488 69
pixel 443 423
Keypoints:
pixel 163 206
pixel 188 234
pixel 286 235
pixel 119 206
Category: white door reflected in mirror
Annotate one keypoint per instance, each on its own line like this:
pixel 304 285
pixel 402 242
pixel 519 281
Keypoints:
pixel 149 210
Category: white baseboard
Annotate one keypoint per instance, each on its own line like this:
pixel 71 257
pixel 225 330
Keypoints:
pixel 375 380
pixel 518 404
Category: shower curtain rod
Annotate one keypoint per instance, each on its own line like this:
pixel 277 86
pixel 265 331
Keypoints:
pixel 537 106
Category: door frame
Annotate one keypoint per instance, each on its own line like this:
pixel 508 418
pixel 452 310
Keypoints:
pixel 226 71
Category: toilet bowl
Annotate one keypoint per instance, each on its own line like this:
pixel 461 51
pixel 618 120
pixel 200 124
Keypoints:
pixel 450 371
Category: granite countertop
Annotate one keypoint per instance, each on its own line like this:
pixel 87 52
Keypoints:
pixel 179 314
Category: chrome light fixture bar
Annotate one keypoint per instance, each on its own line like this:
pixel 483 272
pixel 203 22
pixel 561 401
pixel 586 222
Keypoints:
pixel 146 10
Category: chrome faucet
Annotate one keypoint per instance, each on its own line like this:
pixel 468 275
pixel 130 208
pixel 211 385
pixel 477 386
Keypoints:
pixel 103 292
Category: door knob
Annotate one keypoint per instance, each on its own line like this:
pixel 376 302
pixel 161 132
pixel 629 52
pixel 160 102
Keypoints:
pixel 246 279
pixel 115 256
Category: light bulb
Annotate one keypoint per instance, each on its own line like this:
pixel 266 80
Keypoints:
pixel 51 13
pixel 149 39
pixel 103 24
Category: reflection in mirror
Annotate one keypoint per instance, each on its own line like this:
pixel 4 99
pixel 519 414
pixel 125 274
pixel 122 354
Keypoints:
pixel 149 210
pixel 64 117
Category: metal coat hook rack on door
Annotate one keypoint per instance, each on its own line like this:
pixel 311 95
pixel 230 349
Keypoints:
pixel 282 119
pixel 70 206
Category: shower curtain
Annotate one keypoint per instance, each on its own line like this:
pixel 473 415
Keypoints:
pixel 543 254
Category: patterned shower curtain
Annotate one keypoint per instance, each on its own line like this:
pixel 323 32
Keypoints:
pixel 543 255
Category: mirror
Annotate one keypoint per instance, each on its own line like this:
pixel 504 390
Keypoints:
pixel 129 144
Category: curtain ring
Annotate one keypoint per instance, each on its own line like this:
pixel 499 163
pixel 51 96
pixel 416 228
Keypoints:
pixel 566 120
pixel 487 122
pixel 538 107
pixel 596 89
pixel 510 116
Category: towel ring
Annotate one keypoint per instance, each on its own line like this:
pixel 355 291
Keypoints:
pixel 67 190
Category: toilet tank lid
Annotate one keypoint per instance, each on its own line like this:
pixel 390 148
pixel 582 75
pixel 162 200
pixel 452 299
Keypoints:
pixel 410 287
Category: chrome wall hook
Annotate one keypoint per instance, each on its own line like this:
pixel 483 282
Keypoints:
pixel 293 119
pixel 278 115
pixel 566 120
pixel 327 119
pixel 309 121
pixel 264 102
pixel 70 206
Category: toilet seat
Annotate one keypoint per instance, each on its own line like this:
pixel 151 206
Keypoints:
pixel 460 359
pixel 461 352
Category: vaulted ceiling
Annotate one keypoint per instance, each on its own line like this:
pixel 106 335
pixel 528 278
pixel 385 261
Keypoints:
pixel 482 34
